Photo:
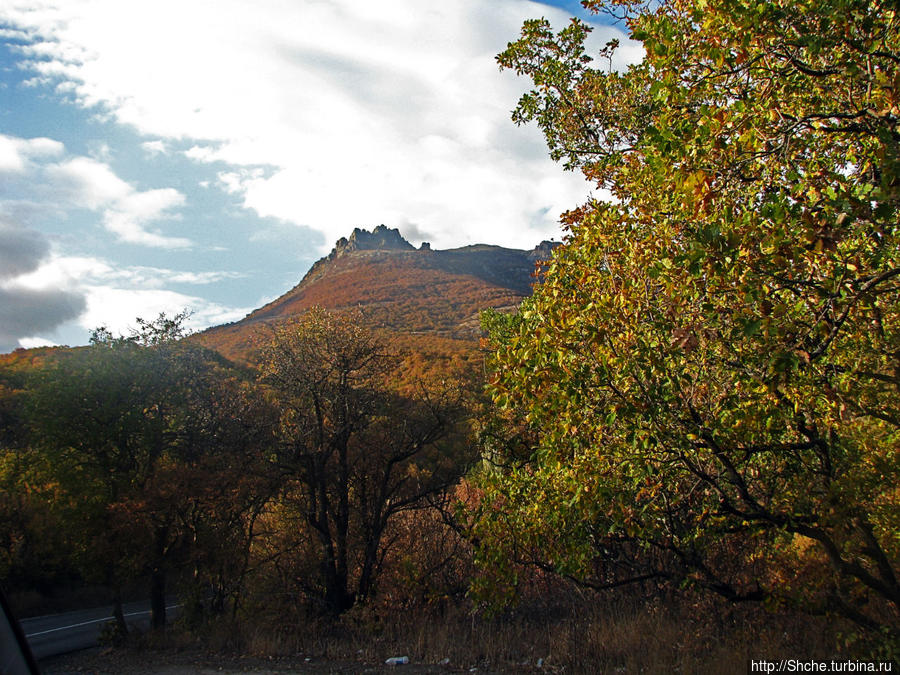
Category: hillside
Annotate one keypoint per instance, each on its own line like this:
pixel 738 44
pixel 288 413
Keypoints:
pixel 436 294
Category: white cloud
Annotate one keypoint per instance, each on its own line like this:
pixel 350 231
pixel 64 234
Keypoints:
pixel 86 183
pixel 16 154
pixel 62 271
pixel 115 296
pixel 65 272
pixel 201 153
pixel 117 308
pixel 155 147
pixel 12 34
pixel 32 342
pixel 384 111
pixel 128 216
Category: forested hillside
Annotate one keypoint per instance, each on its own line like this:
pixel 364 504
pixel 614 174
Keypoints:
pixel 432 294
pixel 428 299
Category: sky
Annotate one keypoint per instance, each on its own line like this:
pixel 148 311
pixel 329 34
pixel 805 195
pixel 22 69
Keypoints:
pixel 168 155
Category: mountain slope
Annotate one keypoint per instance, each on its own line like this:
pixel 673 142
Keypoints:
pixel 411 292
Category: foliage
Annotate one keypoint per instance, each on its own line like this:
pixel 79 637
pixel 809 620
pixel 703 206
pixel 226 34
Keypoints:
pixel 707 380
pixel 355 452
pixel 34 550
pixel 151 441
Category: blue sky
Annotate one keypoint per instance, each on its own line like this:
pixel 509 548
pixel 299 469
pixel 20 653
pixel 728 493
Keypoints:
pixel 168 155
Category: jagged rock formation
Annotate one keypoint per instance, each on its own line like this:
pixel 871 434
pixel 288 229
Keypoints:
pixel 381 239
pixel 543 251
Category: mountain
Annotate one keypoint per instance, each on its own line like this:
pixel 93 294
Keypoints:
pixel 411 292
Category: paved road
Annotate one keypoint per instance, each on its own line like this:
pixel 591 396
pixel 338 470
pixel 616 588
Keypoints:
pixel 62 633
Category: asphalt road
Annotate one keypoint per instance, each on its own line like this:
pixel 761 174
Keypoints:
pixel 56 634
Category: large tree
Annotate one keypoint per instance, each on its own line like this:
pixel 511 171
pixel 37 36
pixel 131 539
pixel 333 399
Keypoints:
pixel 705 386
pixel 356 451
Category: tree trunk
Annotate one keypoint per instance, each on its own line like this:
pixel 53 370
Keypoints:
pixel 158 579
pixel 158 598
pixel 337 599
pixel 118 613
pixel 370 560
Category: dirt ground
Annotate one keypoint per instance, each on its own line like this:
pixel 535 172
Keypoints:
pixel 171 662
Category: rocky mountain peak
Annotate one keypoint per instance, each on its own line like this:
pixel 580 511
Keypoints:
pixel 543 251
pixel 418 292
pixel 380 239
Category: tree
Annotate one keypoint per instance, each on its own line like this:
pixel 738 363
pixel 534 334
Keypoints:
pixel 706 383
pixel 145 446
pixel 223 488
pixel 34 546
pixel 355 452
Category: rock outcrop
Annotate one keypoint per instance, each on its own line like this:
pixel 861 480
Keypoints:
pixel 380 239
pixel 543 251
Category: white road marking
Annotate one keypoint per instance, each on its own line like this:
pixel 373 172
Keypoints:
pixel 86 623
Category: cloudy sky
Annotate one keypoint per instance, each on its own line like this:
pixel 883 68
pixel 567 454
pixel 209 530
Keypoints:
pixel 201 154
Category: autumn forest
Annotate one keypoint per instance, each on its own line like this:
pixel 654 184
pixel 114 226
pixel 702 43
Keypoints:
pixel 688 428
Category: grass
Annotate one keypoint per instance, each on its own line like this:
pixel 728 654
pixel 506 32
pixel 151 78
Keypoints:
pixel 563 631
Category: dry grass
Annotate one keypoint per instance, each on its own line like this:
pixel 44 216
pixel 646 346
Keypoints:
pixel 564 632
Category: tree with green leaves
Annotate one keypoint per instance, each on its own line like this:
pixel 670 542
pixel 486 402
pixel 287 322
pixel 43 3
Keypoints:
pixel 704 388
pixel 355 451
